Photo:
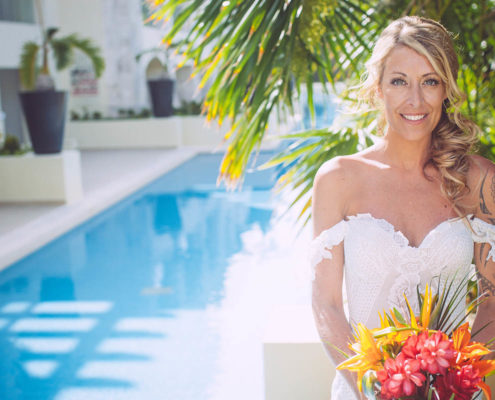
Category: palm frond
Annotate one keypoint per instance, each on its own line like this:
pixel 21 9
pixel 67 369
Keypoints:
pixel 62 53
pixel 28 65
pixel 305 152
pixel 88 48
pixel 50 33
pixel 256 56
pixel 242 49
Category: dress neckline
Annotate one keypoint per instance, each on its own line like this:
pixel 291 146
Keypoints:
pixel 389 227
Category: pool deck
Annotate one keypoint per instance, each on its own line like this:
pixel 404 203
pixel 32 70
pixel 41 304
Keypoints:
pixel 107 177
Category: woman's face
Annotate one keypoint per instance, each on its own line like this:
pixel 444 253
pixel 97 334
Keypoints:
pixel 412 93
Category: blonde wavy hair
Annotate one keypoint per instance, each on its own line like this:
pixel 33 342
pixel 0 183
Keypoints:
pixel 455 134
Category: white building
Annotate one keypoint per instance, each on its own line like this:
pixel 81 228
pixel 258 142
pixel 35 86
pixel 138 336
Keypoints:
pixel 116 26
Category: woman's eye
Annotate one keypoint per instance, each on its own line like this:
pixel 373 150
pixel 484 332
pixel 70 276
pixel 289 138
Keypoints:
pixel 398 82
pixel 432 82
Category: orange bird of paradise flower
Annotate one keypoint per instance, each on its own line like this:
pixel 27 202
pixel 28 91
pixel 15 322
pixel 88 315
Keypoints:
pixel 368 355
pixel 470 353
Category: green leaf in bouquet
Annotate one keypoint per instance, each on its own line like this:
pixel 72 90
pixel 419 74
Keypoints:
pixel 438 306
pixel 442 316
pixel 490 373
pixel 388 330
pixel 420 297
pixel 342 352
pixel 399 316
pixel 449 322
pixel 471 309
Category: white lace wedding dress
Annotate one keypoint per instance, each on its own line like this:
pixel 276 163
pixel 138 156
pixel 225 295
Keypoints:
pixel 381 266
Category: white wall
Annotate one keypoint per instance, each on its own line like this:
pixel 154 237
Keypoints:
pixel 12 36
pixel 116 26
pixel 85 18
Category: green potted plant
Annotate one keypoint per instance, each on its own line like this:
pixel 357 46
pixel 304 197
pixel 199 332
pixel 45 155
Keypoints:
pixel 160 84
pixel 44 107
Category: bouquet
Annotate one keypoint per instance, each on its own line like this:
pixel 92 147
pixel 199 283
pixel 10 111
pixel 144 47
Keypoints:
pixel 430 356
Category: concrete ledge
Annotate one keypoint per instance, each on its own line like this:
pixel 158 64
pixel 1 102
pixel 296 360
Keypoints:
pixel 41 178
pixel 295 364
pixel 189 131
pixel 125 134
pixel 197 131
pixel 30 237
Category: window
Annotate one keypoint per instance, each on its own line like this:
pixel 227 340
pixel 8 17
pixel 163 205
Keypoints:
pixel 17 10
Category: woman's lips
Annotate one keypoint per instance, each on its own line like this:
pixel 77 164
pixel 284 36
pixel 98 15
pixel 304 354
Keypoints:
pixel 414 117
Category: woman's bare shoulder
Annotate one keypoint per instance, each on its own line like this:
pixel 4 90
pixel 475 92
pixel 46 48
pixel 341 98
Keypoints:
pixel 341 166
pixel 339 171
pixel 336 181
pixel 345 169
pixel 481 182
pixel 480 168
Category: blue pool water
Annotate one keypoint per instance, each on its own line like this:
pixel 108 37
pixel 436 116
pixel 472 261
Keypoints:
pixel 120 307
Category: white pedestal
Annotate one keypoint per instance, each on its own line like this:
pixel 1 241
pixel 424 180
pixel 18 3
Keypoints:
pixel 197 131
pixel 125 133
pixel 41 178
pixel 295 364
pixel 153 133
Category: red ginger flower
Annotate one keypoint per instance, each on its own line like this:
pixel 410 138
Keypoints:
pixel 413 345
pixel 435 352
pixel 400 377
pixel 463 383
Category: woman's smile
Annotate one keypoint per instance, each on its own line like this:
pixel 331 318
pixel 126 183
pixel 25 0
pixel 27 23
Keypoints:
pixel 412 94
pixel 413 117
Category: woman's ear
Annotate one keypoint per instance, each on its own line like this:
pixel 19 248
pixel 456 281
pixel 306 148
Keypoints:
pixel 379 92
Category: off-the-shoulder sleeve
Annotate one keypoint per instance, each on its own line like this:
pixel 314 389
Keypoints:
pixel 323 243
pixel 484 233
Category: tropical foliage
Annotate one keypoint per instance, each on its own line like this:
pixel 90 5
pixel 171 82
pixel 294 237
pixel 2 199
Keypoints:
pixel 63 54
pixel 258 55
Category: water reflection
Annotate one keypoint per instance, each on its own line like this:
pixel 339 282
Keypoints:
pixel 271 270
pixel 122 306
pixel 167 217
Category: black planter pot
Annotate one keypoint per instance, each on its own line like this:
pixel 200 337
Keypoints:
pixel 161 92
pixel 45 117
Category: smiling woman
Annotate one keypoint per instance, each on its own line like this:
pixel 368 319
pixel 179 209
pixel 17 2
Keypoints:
pixel 407 209
pixel 413 94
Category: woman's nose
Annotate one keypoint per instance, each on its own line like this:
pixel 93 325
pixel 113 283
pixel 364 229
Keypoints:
pixel 416 95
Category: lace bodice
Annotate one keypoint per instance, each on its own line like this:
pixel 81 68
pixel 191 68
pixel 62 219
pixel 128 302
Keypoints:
pixel 381 266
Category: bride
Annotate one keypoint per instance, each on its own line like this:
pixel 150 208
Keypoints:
pixel 412 206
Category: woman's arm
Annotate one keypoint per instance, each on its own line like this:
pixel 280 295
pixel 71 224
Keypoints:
pixel 484 171
pixel 328 208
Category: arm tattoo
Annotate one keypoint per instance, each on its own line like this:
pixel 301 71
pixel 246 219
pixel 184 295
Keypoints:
pixel 483 207
pixel 481 252
pixel 492 190
pixel 487 288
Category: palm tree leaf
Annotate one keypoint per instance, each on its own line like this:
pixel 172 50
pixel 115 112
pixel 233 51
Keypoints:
pixel 62 52
pixel 28 64
pixel 88 48
pixel 256 58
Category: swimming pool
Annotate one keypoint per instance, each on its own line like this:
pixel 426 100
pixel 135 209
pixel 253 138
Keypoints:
pixel 125 305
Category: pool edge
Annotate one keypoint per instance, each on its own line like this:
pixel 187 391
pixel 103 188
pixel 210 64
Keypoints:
pixel 30 237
